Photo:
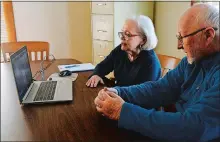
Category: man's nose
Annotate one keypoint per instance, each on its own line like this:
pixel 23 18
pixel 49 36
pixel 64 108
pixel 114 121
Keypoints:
pixel 123 38
pixel 180 45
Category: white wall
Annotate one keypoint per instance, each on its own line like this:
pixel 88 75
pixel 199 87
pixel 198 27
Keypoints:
pixel 79 15
pixel 166 17
pixel 43 21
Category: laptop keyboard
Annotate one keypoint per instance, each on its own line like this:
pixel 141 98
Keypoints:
pixel 46 91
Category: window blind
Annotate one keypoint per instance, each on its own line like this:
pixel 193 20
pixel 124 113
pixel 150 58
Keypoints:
pixel 4 35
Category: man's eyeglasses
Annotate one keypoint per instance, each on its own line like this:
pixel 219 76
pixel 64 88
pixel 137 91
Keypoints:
pixel 126 35
pixel 180 38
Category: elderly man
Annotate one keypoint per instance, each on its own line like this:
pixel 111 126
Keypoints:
pixel 194 88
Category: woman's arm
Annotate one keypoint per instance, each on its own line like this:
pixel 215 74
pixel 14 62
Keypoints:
pixel 107 65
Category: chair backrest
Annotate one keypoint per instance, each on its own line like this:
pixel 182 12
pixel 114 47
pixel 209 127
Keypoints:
pixel 167 63
pixel 37 50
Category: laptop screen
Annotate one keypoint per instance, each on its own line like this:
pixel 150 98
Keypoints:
pixel 22 71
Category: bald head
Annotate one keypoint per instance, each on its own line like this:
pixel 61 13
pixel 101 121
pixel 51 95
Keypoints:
pixel 200 16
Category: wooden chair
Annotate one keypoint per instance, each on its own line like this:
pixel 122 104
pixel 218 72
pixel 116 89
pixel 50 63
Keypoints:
pixel 167 63
pixel 37 50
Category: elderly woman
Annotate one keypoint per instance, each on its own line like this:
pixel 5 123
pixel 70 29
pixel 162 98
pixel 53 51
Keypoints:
pixel 134 60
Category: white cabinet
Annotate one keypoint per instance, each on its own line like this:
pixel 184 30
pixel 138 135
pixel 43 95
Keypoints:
pixel 102 7
pixel 102 29
pixel 102 26
pixel 101 49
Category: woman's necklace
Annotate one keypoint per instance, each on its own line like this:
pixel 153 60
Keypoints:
pixel 133 56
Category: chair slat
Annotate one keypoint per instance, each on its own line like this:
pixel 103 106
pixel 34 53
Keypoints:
pixel 32 46
pixel 42 55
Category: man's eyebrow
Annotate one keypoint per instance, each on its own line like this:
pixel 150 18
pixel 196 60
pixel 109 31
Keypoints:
pixel 124 30
pixel 182 32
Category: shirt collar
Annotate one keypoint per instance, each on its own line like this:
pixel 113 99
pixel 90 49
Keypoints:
pixel 209 61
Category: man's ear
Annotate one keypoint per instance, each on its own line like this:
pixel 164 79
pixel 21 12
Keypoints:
pixel 209 35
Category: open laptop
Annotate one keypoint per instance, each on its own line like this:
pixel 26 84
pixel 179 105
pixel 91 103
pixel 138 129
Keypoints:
pixel 30 91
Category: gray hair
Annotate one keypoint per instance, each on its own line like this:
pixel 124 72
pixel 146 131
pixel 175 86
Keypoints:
pixel 147 30
pixel 210 16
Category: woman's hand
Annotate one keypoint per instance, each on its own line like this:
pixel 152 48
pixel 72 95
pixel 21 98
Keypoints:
pixel 94 80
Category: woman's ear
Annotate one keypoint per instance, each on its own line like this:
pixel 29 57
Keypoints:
pixel 143 41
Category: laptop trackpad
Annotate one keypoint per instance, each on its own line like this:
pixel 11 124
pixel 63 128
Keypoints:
pixel 64 90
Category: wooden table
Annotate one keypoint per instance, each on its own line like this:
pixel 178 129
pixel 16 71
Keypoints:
pixel 74 121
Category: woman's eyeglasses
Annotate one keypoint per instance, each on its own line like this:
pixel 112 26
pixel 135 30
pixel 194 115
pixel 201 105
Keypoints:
pixel 126 35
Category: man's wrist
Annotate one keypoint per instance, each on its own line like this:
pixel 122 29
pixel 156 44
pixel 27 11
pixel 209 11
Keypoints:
pixel 113 90
pixel 119 111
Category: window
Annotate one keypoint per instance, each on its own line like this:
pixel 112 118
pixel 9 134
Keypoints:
pixel 8 33
pixel 4 34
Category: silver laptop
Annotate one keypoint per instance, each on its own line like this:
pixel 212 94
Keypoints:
pixel 30 91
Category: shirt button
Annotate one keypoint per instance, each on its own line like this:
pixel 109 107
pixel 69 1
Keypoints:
pixel 197 88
